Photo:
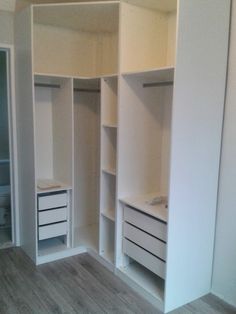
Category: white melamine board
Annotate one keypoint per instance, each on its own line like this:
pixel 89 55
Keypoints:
pixel 43 133
pixel 171 43
pixel 64 51
pixel 107 54
pixel 109 101
pixel 88 17
pixel 108 192
pixel 25 132
pixel 53 124
pixel 143 38
pixel 224 274
pixel 140 137
pixel 195 147
pixel 107 242
pixel 108 148
pixel 162 5
pixel 86 157
pixel 62 118
pixel 87 237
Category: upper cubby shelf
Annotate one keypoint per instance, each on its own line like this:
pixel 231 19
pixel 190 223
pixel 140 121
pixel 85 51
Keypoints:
pixel 77 39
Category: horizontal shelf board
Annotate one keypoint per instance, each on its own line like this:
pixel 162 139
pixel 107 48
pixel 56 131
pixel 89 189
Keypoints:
pixel 109 213
pixel 62 187
pixel 140 202
pixel 109 125
pixel 109 171
pixel 145 279
pixel 62 76
pixel 165 74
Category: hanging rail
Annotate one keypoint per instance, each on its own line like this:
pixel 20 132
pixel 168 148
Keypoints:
pixel 154 84
pixel 83 90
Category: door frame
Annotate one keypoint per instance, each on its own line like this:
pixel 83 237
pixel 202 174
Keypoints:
pixel 15 221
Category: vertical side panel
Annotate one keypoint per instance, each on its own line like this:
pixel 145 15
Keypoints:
pixel 196 140
pixel 25 131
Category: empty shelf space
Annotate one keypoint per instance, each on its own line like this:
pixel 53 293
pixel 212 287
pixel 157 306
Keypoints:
pixel 145 279
pixel 109 257
pixel 51 246
pixel 109 214
pixel 44 188
pixel 110 171
pixel 142 203
pixel 87 237
pixel 4 161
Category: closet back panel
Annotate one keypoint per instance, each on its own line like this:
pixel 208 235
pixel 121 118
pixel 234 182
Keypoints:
pixel 76 40
pixel 147 38
pixel 86 158
pixel 53 129
pixel 145 118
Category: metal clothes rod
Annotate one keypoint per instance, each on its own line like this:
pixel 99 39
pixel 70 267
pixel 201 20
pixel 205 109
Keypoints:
pixel 154 84
pixel 47 85
pixel 85 90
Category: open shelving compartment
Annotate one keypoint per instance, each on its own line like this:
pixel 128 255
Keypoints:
pixel 144 157
pixel 89 33
pixel 86 163
pixel 53 146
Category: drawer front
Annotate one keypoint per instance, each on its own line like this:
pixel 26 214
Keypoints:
pixel 52 215
pixel 51 231
pixel 52 201
pixel 154 227
pixel 146 241
pixel 144 258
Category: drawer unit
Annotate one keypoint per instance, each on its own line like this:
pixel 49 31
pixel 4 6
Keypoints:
pixel 144 258
pixel 150 225
pixel 52 216
pixel 145 240
pixel 52 201
pixel 51 231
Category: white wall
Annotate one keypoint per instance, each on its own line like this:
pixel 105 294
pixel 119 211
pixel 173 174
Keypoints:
pixel 224 274
pixel 6 27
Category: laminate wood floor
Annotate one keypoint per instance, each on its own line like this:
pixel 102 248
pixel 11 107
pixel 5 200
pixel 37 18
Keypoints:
pixel 76 285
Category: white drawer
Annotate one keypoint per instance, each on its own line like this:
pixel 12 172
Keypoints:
pixel 52 215
pixel 51 231
pixel 144 258
pixel 52 201
pixel 146 241
pixel 151 225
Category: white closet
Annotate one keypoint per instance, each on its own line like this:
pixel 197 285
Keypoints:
pixel 120 109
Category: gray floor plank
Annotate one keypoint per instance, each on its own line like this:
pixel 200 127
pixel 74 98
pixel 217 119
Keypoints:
pixel 77 285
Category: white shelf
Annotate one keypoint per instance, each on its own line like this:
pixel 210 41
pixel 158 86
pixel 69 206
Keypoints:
pixel 154 75
pixel 109 125
pixel 63 187
pixel 109 214
pixel 109 171
pixel 145 279
pixel 141 202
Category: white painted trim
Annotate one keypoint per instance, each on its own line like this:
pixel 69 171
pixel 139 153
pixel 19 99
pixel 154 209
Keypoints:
pixel 13 143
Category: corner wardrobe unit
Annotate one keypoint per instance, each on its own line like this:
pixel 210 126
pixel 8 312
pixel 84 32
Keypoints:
pixel 120 109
